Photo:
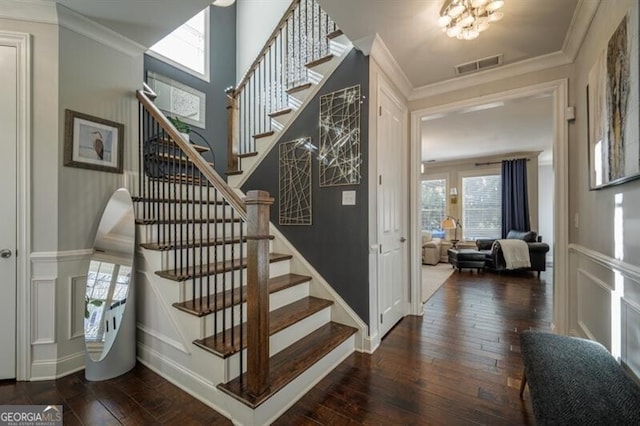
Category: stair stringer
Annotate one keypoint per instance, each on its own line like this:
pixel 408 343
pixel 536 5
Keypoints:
pixel 341 312
pixel 264 148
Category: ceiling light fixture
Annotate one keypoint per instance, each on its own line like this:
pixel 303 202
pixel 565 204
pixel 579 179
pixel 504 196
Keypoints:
pixel 466 19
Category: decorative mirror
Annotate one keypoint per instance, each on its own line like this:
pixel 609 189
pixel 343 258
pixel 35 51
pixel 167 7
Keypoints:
pixel 109 322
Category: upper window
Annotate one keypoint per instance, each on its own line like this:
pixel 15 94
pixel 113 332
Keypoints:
pixel 187 47
pixel 434 203
pixel 481 207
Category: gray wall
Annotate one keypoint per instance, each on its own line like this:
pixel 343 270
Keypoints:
pixel 222 75
pixel 337 242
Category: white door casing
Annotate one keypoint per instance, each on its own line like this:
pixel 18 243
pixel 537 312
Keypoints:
pixel 8 225
pixel 21 43
pixel 392 264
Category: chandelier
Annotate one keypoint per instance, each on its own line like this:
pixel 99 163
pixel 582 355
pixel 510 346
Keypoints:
pixel 466 19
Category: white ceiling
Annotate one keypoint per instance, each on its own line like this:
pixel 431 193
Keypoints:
pixel 524 124
pixel 410 31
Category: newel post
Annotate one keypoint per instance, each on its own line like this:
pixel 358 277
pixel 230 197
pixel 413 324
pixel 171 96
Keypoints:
pixel 232 130
pixel 258 204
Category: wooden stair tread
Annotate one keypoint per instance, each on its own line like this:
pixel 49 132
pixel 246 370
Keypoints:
pixel 214 268
pixel 175 200
pixel 319 61
pixel 233 172
pixel 185 221
pixel 248 154
pixel 172 143
pixel 334 34
pixel 291 362
pixel 299 88
pixel 203 306
pixel 284 111
pixel 190 244
pixel 278 321
pixel 264 135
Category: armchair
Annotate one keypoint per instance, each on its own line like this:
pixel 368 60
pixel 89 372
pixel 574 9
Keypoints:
pixel 430 249
pixel 495 259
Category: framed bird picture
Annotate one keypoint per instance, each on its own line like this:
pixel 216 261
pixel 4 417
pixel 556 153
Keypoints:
pixel 92 142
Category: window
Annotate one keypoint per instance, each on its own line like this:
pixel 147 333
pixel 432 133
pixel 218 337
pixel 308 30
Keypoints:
pixel 434 204
pixel 481 207
pixel 187 47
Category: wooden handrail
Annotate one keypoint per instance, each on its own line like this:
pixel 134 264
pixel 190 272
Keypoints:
pixel 209 173
pixel 254 65
pixel 258 205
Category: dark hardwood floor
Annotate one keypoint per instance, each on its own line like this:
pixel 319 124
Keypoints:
pixel 459 364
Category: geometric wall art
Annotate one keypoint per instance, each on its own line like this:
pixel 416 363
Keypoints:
pixel 295 182
pixel 339 150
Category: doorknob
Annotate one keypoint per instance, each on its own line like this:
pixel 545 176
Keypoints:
pixel 403 239
pixel 5 253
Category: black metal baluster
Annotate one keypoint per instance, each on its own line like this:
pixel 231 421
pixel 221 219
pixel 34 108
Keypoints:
pixel 215 262
pixel 233 274
pixel 243 291
pixel 224 277
pixel 204 219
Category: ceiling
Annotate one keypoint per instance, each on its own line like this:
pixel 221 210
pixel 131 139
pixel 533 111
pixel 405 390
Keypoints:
pixel 523 124
pixel 410 31
pixel 143 21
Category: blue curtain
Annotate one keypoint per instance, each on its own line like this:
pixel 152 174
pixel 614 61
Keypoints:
pixel 515 200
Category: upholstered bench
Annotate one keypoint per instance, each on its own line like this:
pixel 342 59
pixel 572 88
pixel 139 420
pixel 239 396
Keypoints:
pixel 466 258
pixel 575 381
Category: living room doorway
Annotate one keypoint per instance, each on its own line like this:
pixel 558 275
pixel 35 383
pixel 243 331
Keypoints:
pixel 459 149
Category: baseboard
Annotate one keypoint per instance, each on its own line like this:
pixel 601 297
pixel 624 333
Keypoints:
pixel 56 368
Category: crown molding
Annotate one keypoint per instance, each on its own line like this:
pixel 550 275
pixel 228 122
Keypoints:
pixel 375 47
pixel 82 25
pixel 582 17
pixel 39 11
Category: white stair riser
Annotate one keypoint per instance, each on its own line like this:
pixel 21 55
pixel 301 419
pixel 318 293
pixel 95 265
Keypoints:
pixel 185 211
pixel 181 191
pixel 208 254
pixel 149 233
pixel 283 339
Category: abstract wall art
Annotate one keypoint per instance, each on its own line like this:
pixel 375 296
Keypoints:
pixel 339 151
pixel 295 182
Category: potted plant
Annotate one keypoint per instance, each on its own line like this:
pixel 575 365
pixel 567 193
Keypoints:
pixel 181 126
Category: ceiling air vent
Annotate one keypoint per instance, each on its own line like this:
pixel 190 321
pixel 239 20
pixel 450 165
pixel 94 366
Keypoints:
pixel 479 65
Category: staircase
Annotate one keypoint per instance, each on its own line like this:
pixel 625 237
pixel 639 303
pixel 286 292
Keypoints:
pixel 227 308
pixel 286 75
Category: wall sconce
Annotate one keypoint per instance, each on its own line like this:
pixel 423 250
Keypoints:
pixel 453 194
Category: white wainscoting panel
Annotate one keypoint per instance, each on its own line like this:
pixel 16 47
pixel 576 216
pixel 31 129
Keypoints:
pixel 77 303
pixel 631 336
pixel 594 307
pixel 43 311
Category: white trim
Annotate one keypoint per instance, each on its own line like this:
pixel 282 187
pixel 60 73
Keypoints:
pixel 52 369
pixel 163 338
pixel 40 11
pixel 582 17
pixel 61 256
pixel 82 25
pixel 22 43
pixel 559 89
pixel 626 269
pixel 378 50
pixel 206 76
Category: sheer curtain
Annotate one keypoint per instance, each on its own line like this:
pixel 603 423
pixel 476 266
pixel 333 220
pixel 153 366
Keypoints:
pixel 515 200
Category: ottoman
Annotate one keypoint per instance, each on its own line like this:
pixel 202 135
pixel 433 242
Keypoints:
pixel 466 258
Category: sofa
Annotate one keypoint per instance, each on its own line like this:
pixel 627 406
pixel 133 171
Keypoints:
pixel 495 259
pixel 430 249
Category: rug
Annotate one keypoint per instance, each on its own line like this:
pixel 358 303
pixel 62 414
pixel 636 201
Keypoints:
pixel 433 276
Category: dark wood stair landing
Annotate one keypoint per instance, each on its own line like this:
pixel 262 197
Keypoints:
pixel 228 342
pixel 291 362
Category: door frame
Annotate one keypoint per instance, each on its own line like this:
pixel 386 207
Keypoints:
pixel 22 43
pixel 559 90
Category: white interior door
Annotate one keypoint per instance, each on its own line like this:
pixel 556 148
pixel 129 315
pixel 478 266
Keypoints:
pixel 8 179
pixel 392 272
